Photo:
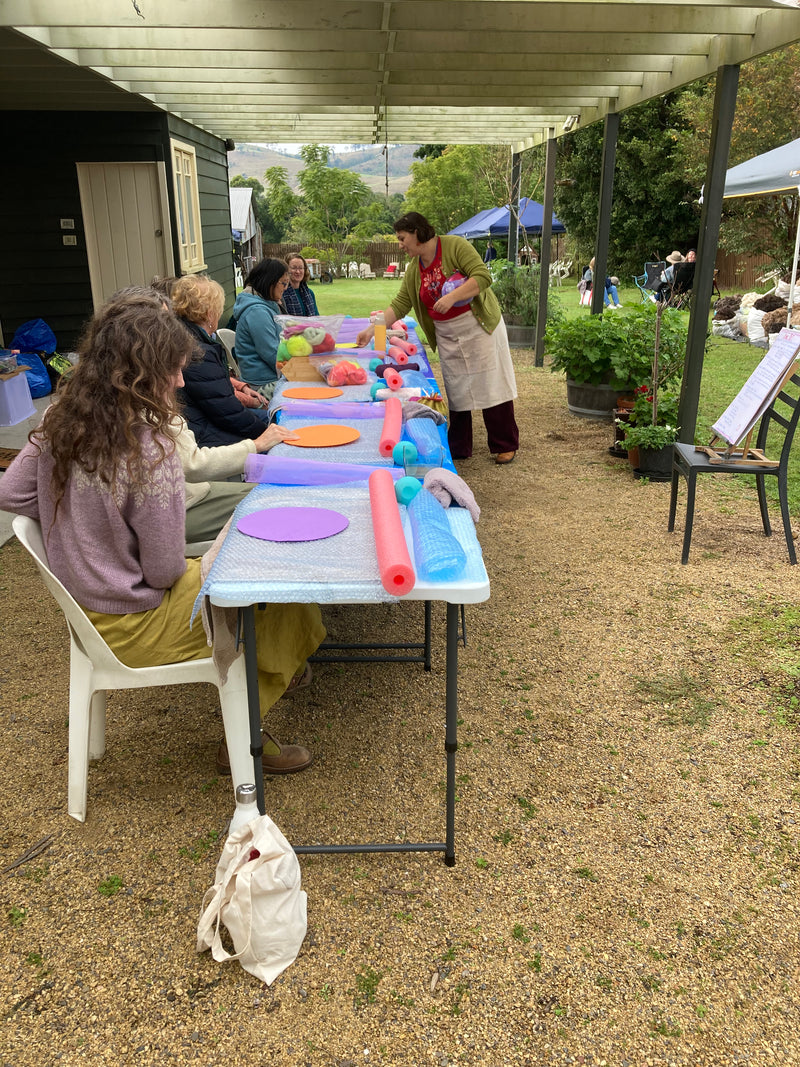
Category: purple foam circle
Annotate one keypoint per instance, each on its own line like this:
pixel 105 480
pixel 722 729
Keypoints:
pixel 293 524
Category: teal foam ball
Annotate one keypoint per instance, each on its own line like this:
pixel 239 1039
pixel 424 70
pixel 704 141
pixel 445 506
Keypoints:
pixel 406 489
pixel 373 389
pixel 404 452
pixel 373 363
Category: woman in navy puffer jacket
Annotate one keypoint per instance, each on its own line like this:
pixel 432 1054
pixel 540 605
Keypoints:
pixel 211 406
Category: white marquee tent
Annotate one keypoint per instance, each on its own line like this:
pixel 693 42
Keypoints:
pixel 777 171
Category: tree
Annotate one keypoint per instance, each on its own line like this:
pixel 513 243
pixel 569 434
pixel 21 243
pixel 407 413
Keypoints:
pixel 653 209
pixel 283 203
pixel 429 151
pixel 269 230
pixel 330 204
pixel 449 188
pixel 767 115
pixel 465 179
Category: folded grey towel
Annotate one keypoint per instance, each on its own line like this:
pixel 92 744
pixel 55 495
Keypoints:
pixel 447 487
pixel 414 410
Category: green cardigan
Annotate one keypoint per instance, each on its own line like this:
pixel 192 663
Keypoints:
pixel 457 255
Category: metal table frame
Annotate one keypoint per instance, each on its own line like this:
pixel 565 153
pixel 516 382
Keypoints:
pixel 454 614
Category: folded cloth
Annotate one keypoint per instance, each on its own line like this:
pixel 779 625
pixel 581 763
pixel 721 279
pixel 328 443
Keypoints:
pixel 220 624
pixel 413 409
pixel 447 487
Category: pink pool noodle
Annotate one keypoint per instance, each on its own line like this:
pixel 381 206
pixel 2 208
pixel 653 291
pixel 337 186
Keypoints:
pixel 392 426
pixel 397 354
pixel 392 378
pixel 394 563
pixel 284 470
pixel 409 348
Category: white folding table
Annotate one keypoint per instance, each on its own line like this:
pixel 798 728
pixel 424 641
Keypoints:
pixel 248 571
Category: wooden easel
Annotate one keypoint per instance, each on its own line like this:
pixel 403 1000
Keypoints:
pixel 752 457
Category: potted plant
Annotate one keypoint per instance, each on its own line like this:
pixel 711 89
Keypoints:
pixel 652 427
pixel 605 355
pixel 517 290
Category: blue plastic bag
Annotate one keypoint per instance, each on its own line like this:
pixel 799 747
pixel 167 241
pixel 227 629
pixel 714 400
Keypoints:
pixel 32 337
pixel 38 378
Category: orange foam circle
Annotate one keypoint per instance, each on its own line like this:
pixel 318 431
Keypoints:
pixel 312 392
pixel 324 436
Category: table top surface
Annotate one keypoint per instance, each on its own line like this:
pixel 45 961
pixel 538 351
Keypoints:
pixel 338 570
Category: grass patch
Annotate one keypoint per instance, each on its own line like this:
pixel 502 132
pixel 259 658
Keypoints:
pixel 681 697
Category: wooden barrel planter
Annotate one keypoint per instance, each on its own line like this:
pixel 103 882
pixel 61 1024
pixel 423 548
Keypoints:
pixel 591 401
pixel 520 335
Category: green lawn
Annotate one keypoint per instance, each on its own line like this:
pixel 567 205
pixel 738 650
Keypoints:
pixel 354 296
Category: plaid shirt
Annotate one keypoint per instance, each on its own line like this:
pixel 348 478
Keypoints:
pixel 299 301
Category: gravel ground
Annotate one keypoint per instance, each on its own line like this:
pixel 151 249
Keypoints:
pixel 625 890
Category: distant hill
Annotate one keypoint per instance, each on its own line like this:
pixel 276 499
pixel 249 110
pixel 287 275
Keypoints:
pixel 367 161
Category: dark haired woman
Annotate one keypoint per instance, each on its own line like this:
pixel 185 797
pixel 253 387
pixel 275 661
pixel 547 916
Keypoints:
pixel 467 329
pixel 102 476
pixel 298 298
pixel 258 334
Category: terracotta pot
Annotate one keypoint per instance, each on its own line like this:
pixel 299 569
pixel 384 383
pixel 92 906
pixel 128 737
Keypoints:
pixel 633 456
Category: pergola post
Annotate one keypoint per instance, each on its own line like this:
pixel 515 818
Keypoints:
pixel 513 207
pixel 544 259
pixel 722 122
pixel 610 134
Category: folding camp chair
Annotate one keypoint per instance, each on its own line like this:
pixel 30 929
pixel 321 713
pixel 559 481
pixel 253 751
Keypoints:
pixel 646 283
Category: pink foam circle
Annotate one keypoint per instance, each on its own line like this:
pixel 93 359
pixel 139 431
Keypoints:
pixel 293 524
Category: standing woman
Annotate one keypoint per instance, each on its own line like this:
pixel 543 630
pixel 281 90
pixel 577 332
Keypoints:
pixel 258 333
pixel 103 477
pixel 298 298
pixel 466 327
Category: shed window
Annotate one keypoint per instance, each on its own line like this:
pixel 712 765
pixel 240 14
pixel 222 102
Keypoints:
pixel 187 202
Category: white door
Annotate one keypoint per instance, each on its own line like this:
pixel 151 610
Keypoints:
pixel 126 222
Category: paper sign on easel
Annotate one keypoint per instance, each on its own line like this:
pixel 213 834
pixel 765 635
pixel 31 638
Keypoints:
pixel 760 389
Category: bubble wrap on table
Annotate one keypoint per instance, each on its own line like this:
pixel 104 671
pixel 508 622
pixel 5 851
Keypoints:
pixel 332 571
pixel 364 450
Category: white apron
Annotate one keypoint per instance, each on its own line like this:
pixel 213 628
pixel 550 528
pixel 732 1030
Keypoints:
pixel 476 366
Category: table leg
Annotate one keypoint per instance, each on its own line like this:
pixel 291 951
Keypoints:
pixel 253 704
pixel 451 731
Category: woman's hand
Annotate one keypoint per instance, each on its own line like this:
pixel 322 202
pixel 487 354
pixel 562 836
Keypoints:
pixel 273 435
pixel 365 336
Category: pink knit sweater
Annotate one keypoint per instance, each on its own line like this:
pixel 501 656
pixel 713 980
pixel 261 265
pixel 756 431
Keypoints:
pixel 116 552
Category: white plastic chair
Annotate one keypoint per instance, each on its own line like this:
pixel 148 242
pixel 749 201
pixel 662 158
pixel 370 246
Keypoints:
pixel 93 668
pixel 227 339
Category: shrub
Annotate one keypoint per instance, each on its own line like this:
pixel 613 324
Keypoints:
pixel 617 349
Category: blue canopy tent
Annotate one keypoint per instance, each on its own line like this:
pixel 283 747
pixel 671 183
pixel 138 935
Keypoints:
pixel 495 222
pixel 477 226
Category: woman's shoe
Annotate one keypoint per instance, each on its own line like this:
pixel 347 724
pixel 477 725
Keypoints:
pixel 300 681
pixel 287 760
pixel 504 457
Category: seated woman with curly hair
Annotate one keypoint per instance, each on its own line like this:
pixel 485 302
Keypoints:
pixel 103 477
pixel 218 413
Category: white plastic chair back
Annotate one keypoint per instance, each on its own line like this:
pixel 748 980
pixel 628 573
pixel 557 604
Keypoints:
pixel 227 339
pixel 94 668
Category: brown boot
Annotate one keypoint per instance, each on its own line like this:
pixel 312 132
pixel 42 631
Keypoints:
pixel 276 759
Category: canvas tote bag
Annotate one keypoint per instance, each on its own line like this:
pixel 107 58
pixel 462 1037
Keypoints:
pixel 257 896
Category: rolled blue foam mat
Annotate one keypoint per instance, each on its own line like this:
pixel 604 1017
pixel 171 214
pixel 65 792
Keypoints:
pixel 437 553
